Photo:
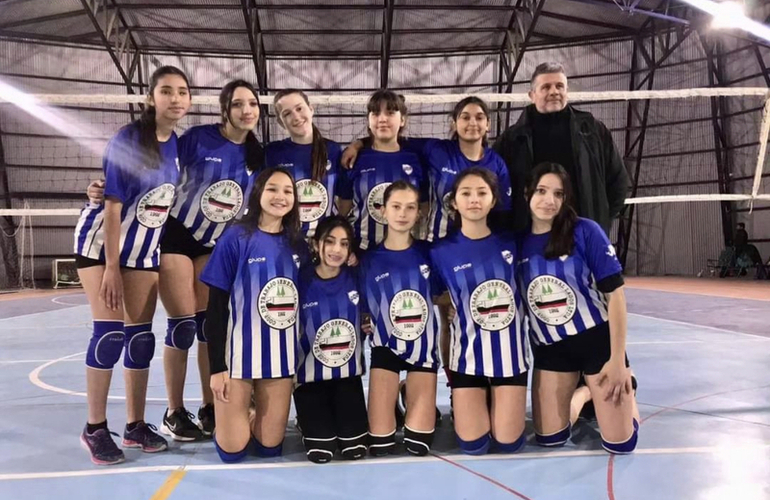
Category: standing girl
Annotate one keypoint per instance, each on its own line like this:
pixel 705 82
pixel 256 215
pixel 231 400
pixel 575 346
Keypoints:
pixel 378 167
pixel 399 291
pixel 252 319
pixel 488 351
pixel 573 286
pixel 118 254
pixel 312 160
pixel 329 397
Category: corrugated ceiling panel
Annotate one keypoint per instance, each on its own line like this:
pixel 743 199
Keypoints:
pixel 460 18
pixel 439 41
pixel 29 9
pixel 316 19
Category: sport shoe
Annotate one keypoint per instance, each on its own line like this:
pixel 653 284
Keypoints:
pixel 206 421
pixel 180 426
pixel 102 448
pixel 144 436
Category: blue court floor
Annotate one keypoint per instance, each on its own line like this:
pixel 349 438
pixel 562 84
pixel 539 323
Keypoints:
pixel 704 396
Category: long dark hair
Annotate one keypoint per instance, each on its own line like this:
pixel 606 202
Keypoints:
pixel 460 106
pixel 148 127
pixel 489 178
pixel 391 101
pixel 561 240
pixel 319 154
pixel 291 223
pixel 329 224
pixel 254 153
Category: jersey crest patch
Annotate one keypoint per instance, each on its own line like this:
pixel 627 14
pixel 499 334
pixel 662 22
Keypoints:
pixel 407 169
pixel 492 305
pixel 408 315
pixel 335 343
pixel 507 256
pixel 152 209
pixel 222 201
pixel 277 303
pixel 353 296
pixel 551 300
pixel 374 202
pixel 425 271
pixel 313 200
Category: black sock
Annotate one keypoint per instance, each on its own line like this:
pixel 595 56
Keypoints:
pixel 130 427
pixel 91 428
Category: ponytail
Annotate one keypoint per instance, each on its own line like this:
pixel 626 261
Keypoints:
pixel 319 155
pixel 148 138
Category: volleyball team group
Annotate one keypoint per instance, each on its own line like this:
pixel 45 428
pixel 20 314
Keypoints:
pixel 283 259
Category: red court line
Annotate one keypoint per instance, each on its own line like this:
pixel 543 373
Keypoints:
pixel 611 460
pixel 482 476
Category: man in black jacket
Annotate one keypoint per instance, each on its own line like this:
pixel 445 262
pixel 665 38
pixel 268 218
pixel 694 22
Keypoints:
pixel 553 131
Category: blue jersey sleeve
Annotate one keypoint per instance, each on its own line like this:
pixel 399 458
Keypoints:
pixel 417 145
pixel 599 252
pixel 504 181
pixel 437 280
pixel 222 267
pixel 345 184
pixel 118 158
pixel 186 147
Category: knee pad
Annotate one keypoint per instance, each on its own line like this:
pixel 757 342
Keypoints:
pixel 379 446
pixel 353 448
pixel 231 458
pixel 263 451
pixel 140 347
pixel 105 345
pixel 623 447
pixel 479 446
pixel 418 442
pixel 509 447
pixel 200 324
pixel 180 333
pixel 556 439
pixel 320 450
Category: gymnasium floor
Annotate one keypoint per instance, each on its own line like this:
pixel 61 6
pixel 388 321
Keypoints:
pixel 701 351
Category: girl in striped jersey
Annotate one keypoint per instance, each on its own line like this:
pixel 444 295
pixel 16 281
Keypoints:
pixel 217 162
pixel 329 397
pixel 488 350
pixel 252 315
pixel 398 287
pixel 573 288
pixel 377 167
pixel 117 252
pixel 312 160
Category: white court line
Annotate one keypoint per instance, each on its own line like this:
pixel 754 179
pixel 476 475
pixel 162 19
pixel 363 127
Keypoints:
pixel 648 342
pixel 55 300
pixel 21 361
pixel 699 326
pixel 400 460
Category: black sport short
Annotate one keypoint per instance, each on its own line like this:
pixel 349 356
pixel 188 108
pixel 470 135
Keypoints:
pixel 461 380
pixel 178 239
pixel 385 359
pixel 585 352
pixel 85 262
pixel 332 408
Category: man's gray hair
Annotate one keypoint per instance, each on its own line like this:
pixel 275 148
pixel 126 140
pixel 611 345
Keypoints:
pixel 547 68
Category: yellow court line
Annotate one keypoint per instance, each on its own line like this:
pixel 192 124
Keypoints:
pixel 170 485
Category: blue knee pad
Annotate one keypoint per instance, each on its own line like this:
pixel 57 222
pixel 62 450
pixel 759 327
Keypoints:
pixel 180 333
pixel 232 458
pixel 140 346
pixel 263 451
pixel 509 447
pixel 623 447
pixel 105 345
pixel 478 446
pixel 555 439
pixel 200 324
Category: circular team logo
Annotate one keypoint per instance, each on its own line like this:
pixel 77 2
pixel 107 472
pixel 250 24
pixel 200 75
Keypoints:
pixel 374 202
pixel 278 303
pixel 492 306
pixel 152 209
pixel 408 314
pixel 551 300
pixel 335 343
pixel 222 201
pixel 313 200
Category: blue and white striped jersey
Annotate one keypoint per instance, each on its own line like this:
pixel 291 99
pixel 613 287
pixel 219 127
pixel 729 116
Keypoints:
pixel 562 294
pixel 260 271
pixel 488 337
pixel 330 342
pixel 316 198
pixel 146 194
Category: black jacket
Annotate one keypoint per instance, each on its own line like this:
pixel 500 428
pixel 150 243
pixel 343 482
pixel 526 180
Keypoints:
pixel 599 166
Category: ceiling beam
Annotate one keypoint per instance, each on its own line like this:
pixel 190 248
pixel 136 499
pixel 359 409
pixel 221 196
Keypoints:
pixel 387 34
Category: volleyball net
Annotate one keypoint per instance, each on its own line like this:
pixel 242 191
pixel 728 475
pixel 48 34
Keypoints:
pixel 680 147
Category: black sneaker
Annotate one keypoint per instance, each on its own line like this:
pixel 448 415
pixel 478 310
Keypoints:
pixel 102 448
pixel 206 419
pixel 180 426
pixel 144 436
